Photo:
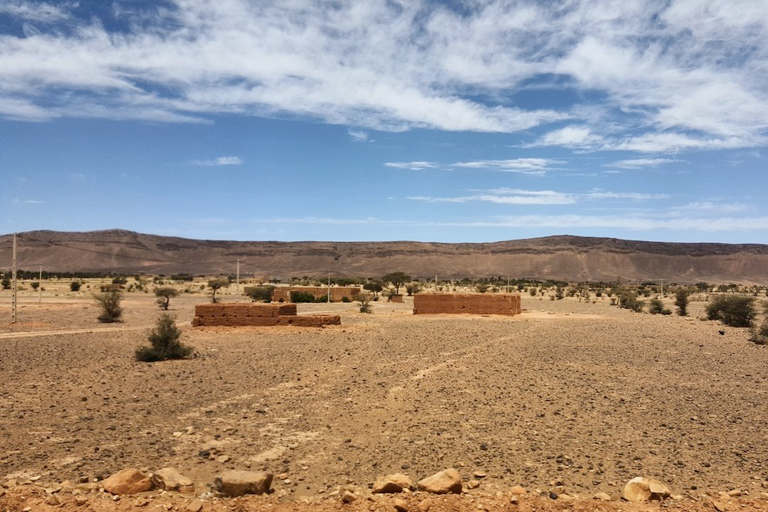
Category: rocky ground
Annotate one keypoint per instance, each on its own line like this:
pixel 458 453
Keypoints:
pixel 570 398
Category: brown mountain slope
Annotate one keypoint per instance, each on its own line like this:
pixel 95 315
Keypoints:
pixel 555 257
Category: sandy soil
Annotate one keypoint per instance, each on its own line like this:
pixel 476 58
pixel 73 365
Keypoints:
pixel 569 397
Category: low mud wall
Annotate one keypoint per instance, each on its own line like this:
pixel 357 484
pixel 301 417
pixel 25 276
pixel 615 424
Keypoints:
pixel 467 303
pixel 238 314
pixel 283 293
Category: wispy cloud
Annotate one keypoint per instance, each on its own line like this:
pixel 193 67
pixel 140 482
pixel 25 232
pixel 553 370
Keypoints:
pixel 513 196
pixel 662 77
pixel 220 161
pixel 358 135
pixel 413 166
pixel 536 166
pixel 640 163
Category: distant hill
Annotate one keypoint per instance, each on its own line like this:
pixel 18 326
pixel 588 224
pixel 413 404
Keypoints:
pixel 554 257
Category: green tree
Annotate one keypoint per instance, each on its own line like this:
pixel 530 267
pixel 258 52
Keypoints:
pixel 110 306
pixel 396 279
pixel 164 295
pixel 260 293
pixel 215 285
pixel 75 286
pixel 164 340
pixel 412 288
pixel 656 307
pixel 628 300
pixel 374 286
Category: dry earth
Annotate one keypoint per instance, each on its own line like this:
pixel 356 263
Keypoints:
pixel 571 397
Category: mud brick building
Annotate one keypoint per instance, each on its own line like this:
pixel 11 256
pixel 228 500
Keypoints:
pixel 283 293
pixel 239 314
pixel 467 303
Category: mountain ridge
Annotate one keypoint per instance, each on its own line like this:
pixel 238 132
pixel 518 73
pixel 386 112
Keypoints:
pixel 562 257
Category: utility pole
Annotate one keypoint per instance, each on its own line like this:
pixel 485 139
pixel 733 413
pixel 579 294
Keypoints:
pixel 507 283
pixel 13 283
pixel 238 276
pixel 329 287
pixel 40 286
pixel 662 287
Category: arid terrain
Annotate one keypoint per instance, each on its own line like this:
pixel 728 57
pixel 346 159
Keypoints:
pixel 569 397
pixel 570 258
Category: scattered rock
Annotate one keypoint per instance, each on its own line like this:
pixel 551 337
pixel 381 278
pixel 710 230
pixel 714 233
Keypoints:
pixel 473 484
pixel 391 483
pixel 237 483
pixel 194 506
pixel 552 495
pixel 400 505
pixel 518 491
pixel 423 506
pixel 480 474
pixel 52 500
pixel 602 496
pixel 223 459
pixel 718 505
pixel 348 496
pixel 128 481
pixel 644 489
pixel 169 479
pixel 443 482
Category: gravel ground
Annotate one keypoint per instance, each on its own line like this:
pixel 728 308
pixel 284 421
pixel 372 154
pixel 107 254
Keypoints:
pixel 575 397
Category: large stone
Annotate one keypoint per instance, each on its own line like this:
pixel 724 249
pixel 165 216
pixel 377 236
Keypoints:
pixel 171 480
pixel 128 481
pixel 237 483
pixel 392 483
pixel 443 482
pixel 645 489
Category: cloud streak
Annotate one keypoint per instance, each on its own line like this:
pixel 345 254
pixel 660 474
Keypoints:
pixel 219 162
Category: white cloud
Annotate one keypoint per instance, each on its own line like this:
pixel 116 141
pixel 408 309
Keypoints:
pixel 40 12
pixel 358 135
pixel 412 166
pixel 639 163
pixel 220 161
pixel 538 197
pixel 655 76
pixel 519 165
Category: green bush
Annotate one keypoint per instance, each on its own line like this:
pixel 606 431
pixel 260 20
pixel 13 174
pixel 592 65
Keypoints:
pixel 304 297
pixel 656 307
pixel 365 302
pixel 110 306
pixel 261 293
pixel 681 301
pixel 628 300
pixel 759 335
pixel 165 343
pixel 732 310
pixel 75 286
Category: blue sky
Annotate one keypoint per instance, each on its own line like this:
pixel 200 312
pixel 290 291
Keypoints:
pixel 454 121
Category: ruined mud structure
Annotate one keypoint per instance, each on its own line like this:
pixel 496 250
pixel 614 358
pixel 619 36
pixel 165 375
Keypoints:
pixel 238 314
pixel 338 293
pixel 470 303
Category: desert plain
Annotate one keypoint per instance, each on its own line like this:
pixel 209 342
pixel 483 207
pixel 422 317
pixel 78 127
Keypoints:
pixel 568 399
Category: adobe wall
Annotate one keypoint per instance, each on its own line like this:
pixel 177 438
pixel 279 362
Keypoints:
pixel 337 293
pixel 468 303
pixel 240 314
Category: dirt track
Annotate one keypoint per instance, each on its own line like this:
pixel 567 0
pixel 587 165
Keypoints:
pixel 575 397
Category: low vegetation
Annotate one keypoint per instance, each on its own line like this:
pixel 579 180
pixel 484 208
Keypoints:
pixel 164 295
pixel 261 293
pixel 681 301
pixel 215 285
pixel 109 302
pixel 164 340
pixel 628 300
pixel 656 307
pixel 732 310
pixel 364 299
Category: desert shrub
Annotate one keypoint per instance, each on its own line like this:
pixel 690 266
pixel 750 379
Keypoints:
pixel 412 289
pixel 119 280
pixel 732 310
pixel 532 291
pixel 215 285
pixel 75 286
pixel 164 340
pixel 681 301
pixel 482 287
pixel 628 300
pixel 558 293
pixel 35 285
pixel 759 334
pixel 345 299
pixel 261 293
pixel 365 302
pixel 6 284
pixel 656 307
pixel 109 302
pixel 164 295
pixel 304 297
